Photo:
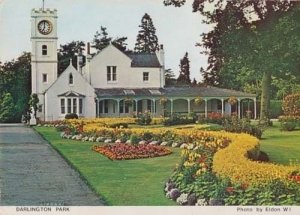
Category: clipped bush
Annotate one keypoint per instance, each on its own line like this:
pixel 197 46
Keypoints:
pixel 71 116
pixel 291 105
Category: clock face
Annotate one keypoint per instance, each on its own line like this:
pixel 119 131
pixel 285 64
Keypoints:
pixel 45 27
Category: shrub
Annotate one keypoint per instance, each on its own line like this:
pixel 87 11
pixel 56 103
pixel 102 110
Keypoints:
pixel 236 125
pixel 176 119
pixel 118 125
pixel 287 123
pixel 71 116
pixel 144 118
pixel 291 105
pixel 134 139
pixel 213 117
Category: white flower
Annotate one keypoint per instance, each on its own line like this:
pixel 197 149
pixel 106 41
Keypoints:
pixel 182 199
pixel 201 202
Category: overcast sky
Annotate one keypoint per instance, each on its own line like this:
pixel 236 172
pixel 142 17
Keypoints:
pixel 177 28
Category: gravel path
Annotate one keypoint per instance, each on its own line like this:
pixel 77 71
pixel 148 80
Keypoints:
pixel 33 173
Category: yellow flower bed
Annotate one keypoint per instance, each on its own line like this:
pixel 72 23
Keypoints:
pixel 233 162
pixel 230 162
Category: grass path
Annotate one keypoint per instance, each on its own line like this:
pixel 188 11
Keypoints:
pixel 128 182
pixel 281 146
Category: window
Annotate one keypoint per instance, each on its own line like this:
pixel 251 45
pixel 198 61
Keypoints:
pixel 145 76
pixel 121 106
pixel 149 104
pixel 111 73
pixel 45 78
pixel 62 106
pixel 80 106
pixel 105 106
pixel 70 78
pixel 69 105
pixel 44 50
pixel 101 107
pixel 74 105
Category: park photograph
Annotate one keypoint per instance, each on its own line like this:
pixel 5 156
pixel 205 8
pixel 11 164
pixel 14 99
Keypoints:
pixel 166 106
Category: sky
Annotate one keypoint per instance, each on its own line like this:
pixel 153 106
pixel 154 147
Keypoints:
pixel 178 29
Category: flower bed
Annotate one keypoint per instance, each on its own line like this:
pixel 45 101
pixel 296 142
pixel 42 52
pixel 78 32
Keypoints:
pixel 121 151
pixel 233 162
pixel 215 168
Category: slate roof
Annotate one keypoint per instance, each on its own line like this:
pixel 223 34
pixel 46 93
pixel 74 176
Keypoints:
pixel 174 92
pixel 143 60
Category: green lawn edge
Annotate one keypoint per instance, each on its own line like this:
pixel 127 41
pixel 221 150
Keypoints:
pixel 76 153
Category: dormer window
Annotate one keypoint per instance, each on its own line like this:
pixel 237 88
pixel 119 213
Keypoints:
pixel 70 78
pixel 44 50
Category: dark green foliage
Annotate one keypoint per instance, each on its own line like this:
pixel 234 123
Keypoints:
pixel 275 109
pixel 102 40
pixel 69 51
pixel 134 139
pixel 177 119
pixel 71 116
pixel 33 103
pixel 7 108
pixel 147 41
pixel 236 125
pixel 170 79
pixel 184 73
pixel 15 78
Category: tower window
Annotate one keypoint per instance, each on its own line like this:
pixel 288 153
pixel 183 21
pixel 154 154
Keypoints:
pixel 145 76
pixel 44 50
pixel 111 73
pixel 70 78
pixel 45 78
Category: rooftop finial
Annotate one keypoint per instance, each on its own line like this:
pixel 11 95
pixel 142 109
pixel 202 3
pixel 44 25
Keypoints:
pixel 70 61
pixel 43 5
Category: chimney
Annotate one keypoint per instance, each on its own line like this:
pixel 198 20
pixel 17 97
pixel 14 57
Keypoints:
pixel 79 61
pixel 87 64
pixel 161 56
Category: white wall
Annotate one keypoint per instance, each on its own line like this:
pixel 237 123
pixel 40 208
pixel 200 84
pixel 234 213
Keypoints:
pixel 53 111
pixel 127 76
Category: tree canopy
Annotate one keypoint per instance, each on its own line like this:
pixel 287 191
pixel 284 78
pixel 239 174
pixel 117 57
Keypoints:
pixel 147 41
pixel 15 88
pixel 184 73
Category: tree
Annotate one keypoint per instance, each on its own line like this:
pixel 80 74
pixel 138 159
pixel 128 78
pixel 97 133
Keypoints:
pixel 184 73
pixel 15 79
pixel 170 79
pixel 69 51
pixel 102 40
pixel 270 56
pixel 257 13
pixel 147 41
pixel 7 108
pixel 194 83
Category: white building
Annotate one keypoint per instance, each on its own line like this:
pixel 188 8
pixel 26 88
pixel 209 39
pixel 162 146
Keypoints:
pixel 114 83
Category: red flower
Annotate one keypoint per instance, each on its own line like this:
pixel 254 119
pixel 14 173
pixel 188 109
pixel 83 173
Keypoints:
pixel 229 189
pixel 122 151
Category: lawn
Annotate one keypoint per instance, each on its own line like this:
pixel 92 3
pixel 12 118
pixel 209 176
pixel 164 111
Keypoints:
pixel 281 146
pixel 127 182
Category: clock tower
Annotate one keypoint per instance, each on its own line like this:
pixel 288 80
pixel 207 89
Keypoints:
pixel 43 53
